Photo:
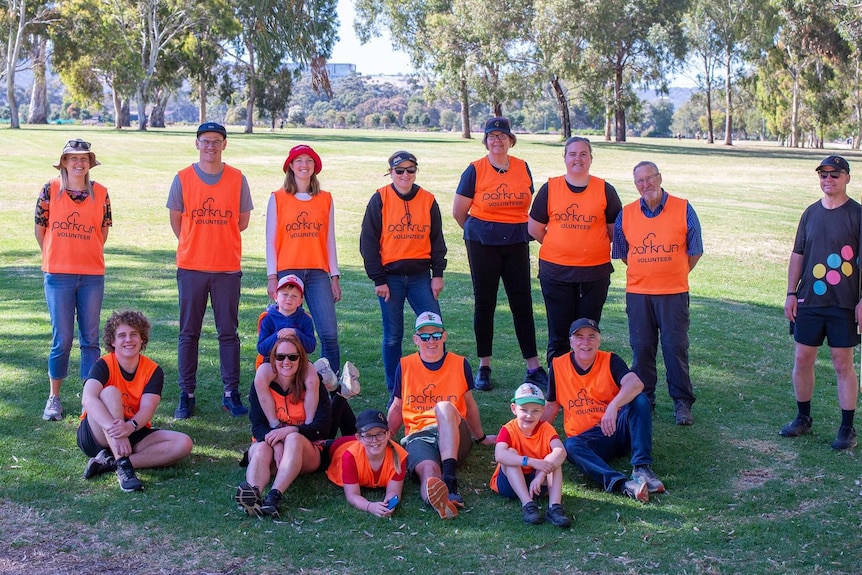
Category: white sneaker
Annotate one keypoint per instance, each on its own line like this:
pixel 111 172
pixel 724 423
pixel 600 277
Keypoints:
pixel 324 370
pixel 53 409
pixel 349 380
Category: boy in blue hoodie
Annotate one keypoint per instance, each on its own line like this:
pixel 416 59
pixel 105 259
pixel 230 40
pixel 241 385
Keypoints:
pixel 286 317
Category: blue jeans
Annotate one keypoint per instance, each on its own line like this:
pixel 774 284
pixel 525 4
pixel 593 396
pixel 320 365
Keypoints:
pixel 67 294
pixel 415 289
pixel 195 289
pixel 318 298
pixel 591 450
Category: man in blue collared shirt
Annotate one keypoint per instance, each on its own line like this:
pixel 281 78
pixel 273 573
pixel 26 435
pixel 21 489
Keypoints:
pixel 659 238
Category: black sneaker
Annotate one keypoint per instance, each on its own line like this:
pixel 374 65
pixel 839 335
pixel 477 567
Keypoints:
pixel 104 462
pixel 539 378
pixel 682 412
pixel 648 476
pixel 233 404
pixel 483 379
pixel 126 476
pixel 454 494
pixel 271 502
pixel 186 407
pixel 556 515
pixel 799 426
pixel 846 438
pixel 530 513
pixel 247 496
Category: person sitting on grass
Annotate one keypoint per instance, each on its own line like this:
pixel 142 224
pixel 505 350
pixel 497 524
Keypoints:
pixel 288 431
pixel 369 459
pixel 529 457
pixel 605 413
pixel 284 318
pixel 119 400
pixel 438 432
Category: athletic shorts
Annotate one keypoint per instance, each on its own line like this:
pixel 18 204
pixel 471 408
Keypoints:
pixel 424 445
pixel 91 447
pixel 834 324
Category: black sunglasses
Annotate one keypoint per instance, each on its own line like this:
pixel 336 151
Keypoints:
pixel 283 356
pixel 78 145
pixel 832 174
pixel 436 336
pixel 400 171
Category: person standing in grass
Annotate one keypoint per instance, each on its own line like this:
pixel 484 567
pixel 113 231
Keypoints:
pixel 73 214
pixel 659 238
pixel 210 205
pixel 529 457
pixel 433 399
pixel 573 218
pixel 287 433
pixel 823 298
pixel 404 252
pixel 491 205
pixel 119 400
pixel 369 459
pixel 605 413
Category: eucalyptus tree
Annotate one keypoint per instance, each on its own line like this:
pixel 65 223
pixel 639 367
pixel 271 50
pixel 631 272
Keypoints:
pixel 705 45
pixel 20 19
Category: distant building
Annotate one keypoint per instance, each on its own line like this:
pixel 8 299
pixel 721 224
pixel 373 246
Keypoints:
pixel 336 70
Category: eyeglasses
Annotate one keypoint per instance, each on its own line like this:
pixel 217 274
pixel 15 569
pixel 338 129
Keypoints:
pixel 436 336
pixel 78 145
pixel 288 356
pixel 646 180
pixel 831 174
pixel 401 171
pixel 211 143
pixel 373 437
pixel 498 136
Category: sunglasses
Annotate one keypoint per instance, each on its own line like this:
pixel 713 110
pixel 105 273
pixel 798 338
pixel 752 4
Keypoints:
pixel 400 171
pixel 834 175
pixel 287 356
pixel 436 336
pixel 78 145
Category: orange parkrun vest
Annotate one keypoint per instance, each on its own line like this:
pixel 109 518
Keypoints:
pixel 577 231
pixel 422 389
pixel 302 230
pixel 210 239
pixel 657 259
pixel 584 398
pixel 406 228
pixel 73 242
pixel 387 470
pixel 286 411
pixel 536 446
pixel 502 198
pixel 131 391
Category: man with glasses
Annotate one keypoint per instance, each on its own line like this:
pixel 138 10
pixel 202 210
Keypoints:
pixel 659 239
pixel 433 398
pixel 210 205
pixel 823 297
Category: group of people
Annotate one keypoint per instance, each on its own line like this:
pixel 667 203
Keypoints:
pixel 297 408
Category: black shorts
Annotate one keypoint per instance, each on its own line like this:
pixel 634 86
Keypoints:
pixel 88 444
pixel 834 324
pixel 424 445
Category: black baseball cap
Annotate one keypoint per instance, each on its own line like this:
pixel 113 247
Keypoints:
pixel 836 162
pixel 211 127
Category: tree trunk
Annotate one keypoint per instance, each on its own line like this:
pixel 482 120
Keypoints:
pixel 794 113
pixel 710 126
pixel 619 109
pixel 157 115
pixel 202 95
pixel 465 110
pixel 38 113
pixel 728 104
pixel 125 115
pixel 563 105
pixel 498 109
pixel 142 109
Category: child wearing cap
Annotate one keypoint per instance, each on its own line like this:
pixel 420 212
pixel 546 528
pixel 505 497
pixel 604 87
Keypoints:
pixel 529 456
pixel 369 459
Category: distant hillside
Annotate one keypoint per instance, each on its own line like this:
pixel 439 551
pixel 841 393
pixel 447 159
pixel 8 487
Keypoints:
pixel 677 96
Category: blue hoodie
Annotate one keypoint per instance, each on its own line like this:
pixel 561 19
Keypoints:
pixel 274 321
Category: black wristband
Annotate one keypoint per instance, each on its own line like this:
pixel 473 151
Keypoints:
pixel 793 293
pixel 134 424
pixel 481 439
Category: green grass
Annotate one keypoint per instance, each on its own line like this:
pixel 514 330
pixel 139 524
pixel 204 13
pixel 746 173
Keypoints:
pixel 740 498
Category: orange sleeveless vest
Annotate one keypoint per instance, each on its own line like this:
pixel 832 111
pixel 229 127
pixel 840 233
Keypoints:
pixel 584 398
pixel 577 231
pixel 502 198
pixel 386 472
pixel 406 229
pixel 536 446
pixel 210 239
pixel 286 411
pixel 73 242
pixel 302 231
pixel 657 259
pixel 422 388
pixel 131 391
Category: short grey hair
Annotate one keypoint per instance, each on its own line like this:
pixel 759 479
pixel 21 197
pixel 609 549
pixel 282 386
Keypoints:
pixel 645 163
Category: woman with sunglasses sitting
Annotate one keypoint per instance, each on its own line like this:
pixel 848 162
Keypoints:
pixel 73 214
pixel 287 432
pixel 404 252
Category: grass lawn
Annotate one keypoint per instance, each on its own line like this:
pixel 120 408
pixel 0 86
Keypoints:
pixel 740 498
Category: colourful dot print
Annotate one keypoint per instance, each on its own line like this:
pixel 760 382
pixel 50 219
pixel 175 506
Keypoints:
pixel 829 274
